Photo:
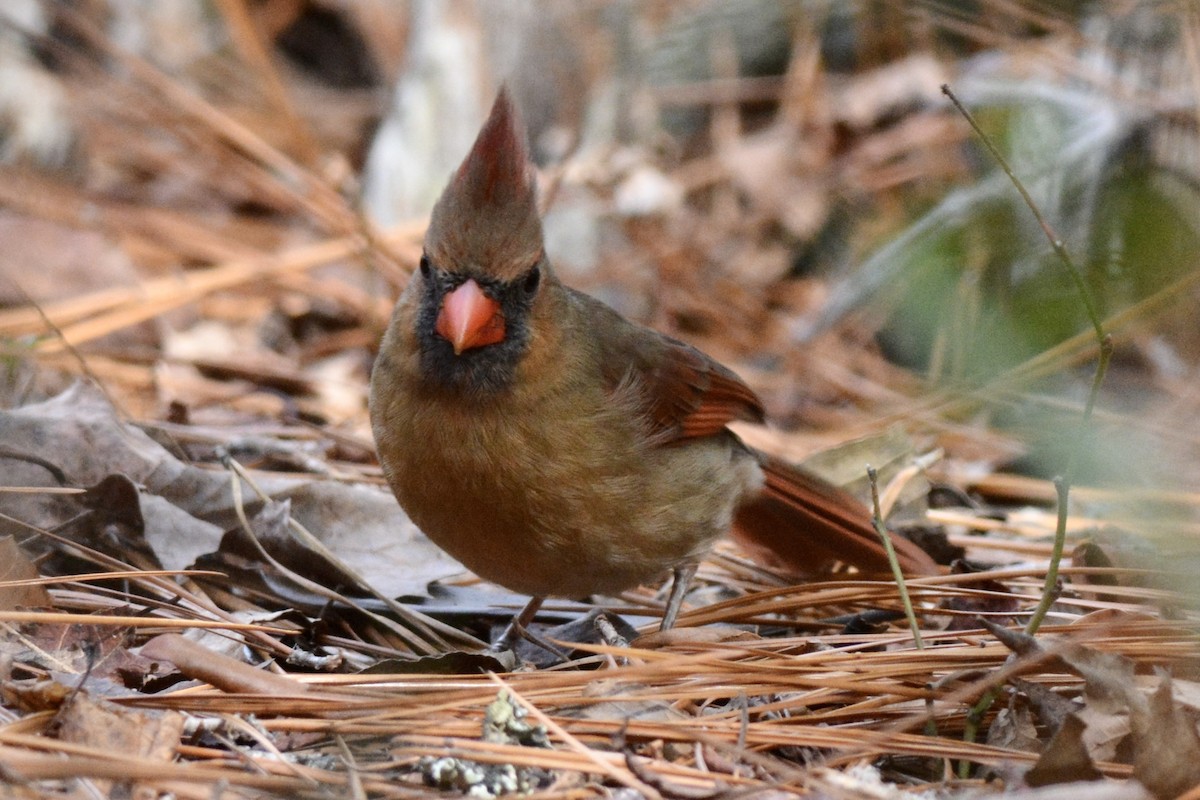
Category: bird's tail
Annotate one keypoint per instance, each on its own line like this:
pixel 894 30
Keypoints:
pixel 800 523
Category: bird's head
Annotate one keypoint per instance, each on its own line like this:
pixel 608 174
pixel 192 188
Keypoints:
pixel 483 264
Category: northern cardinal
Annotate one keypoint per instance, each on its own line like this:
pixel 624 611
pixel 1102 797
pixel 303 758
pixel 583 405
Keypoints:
pixel 554 447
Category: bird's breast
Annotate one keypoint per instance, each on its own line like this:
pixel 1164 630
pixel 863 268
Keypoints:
pixel 559 495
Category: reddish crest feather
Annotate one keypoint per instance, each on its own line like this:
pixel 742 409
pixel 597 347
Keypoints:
pixel 486 222
pixel 499 159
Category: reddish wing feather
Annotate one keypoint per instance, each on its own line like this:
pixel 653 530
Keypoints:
pixel 726 399
pixel 685 394
pixel 690 396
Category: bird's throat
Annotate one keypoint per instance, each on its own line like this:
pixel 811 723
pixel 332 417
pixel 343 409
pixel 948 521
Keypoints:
pixel 471 342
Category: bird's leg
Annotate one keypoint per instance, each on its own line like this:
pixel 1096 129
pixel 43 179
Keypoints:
pixel 679 586
pixel 519 629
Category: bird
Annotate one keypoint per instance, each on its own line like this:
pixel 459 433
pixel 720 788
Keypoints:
pixel 558 449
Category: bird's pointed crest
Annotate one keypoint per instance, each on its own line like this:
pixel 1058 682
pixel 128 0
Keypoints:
pixel 486 219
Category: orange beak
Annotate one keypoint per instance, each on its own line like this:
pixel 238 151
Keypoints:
pixel 469 318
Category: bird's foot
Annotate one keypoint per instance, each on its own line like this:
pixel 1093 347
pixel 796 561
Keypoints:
pixel 518 629
pixel 683 575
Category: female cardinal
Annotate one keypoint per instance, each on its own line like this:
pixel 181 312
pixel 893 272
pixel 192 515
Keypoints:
pixel 558 449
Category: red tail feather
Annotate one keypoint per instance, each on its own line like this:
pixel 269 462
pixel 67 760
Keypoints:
pixel 800 523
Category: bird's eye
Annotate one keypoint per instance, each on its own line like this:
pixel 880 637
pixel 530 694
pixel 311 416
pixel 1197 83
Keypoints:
pixel 530 284
pixel 424 266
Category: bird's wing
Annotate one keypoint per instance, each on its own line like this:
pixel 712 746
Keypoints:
pixel 684 393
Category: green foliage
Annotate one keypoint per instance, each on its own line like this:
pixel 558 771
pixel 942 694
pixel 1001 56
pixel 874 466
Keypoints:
pixel 983 291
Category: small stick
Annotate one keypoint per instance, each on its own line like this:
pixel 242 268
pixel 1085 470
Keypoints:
pixel 1062 483
pixel 881 529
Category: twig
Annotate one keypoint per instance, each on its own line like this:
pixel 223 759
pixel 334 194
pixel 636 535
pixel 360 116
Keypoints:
pixel 881 529
pixel 1055 242
pixel 1062 483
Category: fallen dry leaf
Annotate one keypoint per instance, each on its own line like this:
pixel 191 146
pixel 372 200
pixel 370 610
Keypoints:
pixel 16 570
pixel 105 726
pixel 1166 745
pixel 1065 759
pixel 185 508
